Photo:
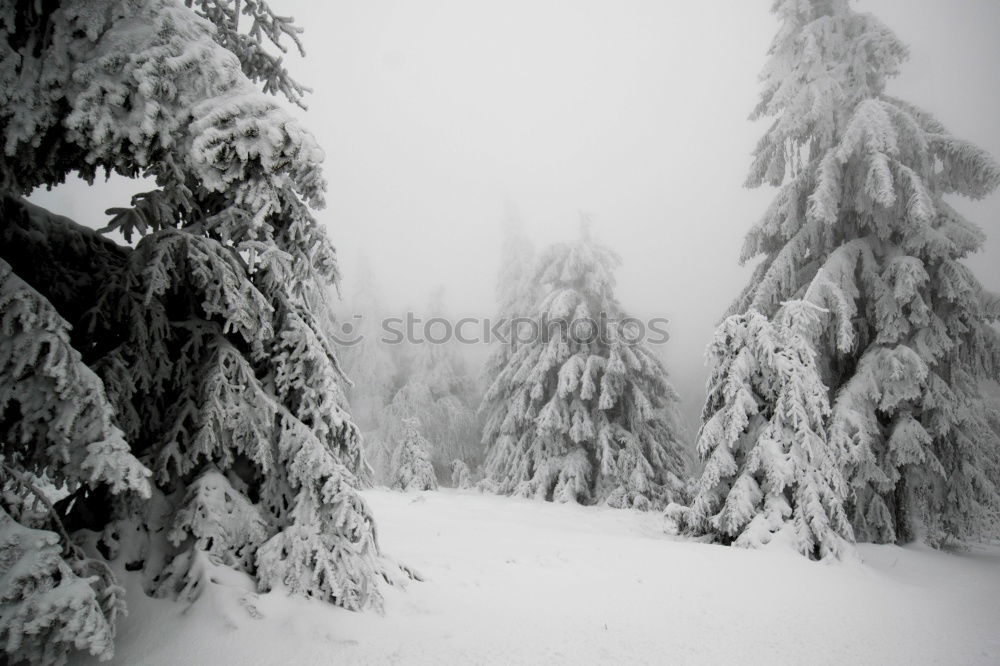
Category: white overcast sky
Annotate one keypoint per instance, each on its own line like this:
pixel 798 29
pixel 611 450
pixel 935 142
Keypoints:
pixel 431 112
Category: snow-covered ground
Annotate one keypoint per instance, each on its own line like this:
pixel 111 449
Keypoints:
pixel 518 581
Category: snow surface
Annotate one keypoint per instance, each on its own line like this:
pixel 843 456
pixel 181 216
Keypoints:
pixel 520 581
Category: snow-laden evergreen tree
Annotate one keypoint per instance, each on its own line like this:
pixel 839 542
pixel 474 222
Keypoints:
pixel 406 413
pixel 461 475
pixel 576 413
pixel 769 470
pixel 208 340
pixel 861 227
pixel 411 459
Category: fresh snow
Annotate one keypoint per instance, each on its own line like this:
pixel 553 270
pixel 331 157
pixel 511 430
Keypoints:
pixel 521 581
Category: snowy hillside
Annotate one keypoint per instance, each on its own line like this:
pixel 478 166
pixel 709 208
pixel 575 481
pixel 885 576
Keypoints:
pixel 518 581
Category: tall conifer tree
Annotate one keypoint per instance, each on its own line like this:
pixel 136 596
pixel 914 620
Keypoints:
pixel 861 226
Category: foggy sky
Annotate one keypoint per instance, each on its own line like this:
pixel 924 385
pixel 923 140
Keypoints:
pixel 431 112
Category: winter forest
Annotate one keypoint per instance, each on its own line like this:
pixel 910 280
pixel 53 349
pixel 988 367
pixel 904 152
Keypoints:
pixel 530 332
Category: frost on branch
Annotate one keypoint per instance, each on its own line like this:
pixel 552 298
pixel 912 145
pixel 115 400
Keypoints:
pixel 769 469
pixel 578 416
pixel 861 228
pixel 262 27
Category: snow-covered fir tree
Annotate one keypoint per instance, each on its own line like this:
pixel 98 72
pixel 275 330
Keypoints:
pixel 461 475
pixel 205 347
pixel 861 227
pixel 769 471
pixel 411 459
pixel 402 420
pixel 576 413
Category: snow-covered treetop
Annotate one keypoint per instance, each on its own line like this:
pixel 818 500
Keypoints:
pixel 825 58
pixel 845 153
pixel 578 278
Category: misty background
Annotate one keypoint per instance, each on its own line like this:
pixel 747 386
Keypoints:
pixel 433 113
